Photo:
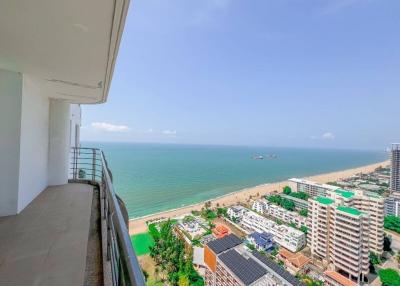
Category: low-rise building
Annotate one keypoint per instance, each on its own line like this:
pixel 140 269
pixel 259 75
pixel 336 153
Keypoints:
pixel 264 207
pixel 220 231
pixel 228 262
pixel 261 241
pixel 236 212
pixel 286 236
pixel 299 204
pixel 311 188
pixel 332 278
pixel 294 262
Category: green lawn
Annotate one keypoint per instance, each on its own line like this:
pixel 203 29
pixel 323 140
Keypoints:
pixel 141 243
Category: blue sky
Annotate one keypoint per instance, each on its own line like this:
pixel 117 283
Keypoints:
pixel 304 73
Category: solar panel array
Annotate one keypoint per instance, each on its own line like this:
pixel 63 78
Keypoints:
pixel 225 243
pixel 277 269
pixel 247 270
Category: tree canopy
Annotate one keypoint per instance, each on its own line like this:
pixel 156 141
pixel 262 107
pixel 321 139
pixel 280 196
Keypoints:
pixel 287 190
pixel 169 253
pixel 392 222
pixel 278 200
pixel 389 277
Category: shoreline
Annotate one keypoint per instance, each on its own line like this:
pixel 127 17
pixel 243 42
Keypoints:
pixel 138 225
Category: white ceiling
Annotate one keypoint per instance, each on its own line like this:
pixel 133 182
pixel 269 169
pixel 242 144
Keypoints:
pixel 68 46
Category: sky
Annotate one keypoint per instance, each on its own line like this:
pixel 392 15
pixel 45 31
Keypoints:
pixel 291 73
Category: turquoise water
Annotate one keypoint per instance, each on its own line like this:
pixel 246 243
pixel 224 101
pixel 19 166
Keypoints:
pixel 156 177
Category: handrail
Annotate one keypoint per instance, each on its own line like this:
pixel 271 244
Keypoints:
pixel 125 268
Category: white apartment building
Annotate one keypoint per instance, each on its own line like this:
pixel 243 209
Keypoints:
pixel 236 212
pixel 392 204
pixel 369 203
pixel 395 168
pixel 309 187
pixel 264 207
pixel 286 236
pixel 344 228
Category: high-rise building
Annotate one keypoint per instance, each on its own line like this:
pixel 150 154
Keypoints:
pixel 339 237
pixel 395 168
pixel 344 227
pixel 392 204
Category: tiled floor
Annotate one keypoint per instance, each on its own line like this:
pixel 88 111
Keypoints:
pixel 46 243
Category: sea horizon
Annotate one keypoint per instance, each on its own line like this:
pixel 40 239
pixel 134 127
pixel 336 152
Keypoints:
pixel 157 177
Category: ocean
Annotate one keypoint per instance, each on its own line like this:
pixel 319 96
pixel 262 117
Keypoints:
pixel 156 177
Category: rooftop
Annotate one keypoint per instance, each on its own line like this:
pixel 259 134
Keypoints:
pixel 344 193
pixel 246 269
pixel 349 210
pixel 324 200
pixel 227 242
pixel 339 278
pixel 277 269
pixel 262 239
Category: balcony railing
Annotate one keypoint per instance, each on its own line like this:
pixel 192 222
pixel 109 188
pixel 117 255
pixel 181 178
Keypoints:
pixel 88 165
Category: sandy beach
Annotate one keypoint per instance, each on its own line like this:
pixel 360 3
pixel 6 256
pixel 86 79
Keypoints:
pixel 138 225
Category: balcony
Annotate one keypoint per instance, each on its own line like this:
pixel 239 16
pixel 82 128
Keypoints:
pixel 73 234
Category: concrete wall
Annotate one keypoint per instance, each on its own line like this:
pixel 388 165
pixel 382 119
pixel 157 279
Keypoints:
pixel 10 124
pixel 34 145
pixel 59 142
pixel 35 140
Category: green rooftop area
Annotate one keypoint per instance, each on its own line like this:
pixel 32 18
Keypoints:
pixel 349 210
pixel 324 200
pixel 344 193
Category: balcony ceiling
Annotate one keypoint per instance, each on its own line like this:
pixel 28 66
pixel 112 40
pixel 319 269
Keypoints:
pixel 68 47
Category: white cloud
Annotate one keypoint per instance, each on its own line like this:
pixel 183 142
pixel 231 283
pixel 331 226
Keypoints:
pixel 324 136
pixel 108 127
pixel 328 136
pixel 169 132
pixel 150 130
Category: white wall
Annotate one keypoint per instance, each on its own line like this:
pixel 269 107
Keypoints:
pixel 10 114
pixel 34 145
pixel 35 137
pixel 59 142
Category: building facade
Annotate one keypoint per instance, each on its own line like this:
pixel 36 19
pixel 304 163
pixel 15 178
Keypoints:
pixel 344 227
pixel 392 204
pixel 395 168
pixel 311 188
pixel 264 207
pixel 236 212
pixel 286 236
pixel 299 204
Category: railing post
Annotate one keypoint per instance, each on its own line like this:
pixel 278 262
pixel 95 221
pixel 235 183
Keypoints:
pixel 94 166
pixel 73 163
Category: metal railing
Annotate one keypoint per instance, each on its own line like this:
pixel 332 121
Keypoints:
pixel 88 165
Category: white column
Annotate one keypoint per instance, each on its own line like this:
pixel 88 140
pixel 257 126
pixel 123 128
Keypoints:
pixel 59 142
pixel 10 125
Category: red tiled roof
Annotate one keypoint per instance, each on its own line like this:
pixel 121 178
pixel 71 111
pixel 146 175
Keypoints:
pixel 339 278
pixel 299 260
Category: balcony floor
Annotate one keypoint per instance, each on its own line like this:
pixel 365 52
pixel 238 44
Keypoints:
pixel 46 244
